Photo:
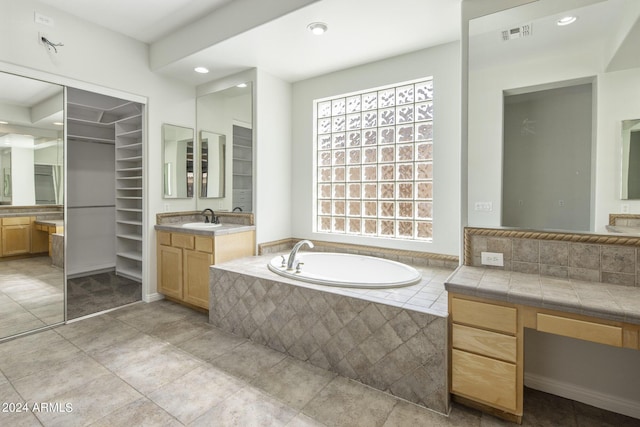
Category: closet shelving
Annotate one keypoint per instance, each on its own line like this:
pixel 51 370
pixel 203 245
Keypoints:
pixel 129 194
pixel 109 120
pixel 242 168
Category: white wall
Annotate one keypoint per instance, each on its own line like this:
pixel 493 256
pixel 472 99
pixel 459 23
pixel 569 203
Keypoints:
pixel 99 60
pixel 441 62
pixel 22 178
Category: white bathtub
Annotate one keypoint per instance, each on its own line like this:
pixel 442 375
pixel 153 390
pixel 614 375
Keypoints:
pixel 346 270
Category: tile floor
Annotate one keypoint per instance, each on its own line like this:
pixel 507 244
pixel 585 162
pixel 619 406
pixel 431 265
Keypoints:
pixel 99 292
pixel 161 364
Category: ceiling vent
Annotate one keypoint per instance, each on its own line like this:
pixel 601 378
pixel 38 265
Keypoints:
pixel 517 32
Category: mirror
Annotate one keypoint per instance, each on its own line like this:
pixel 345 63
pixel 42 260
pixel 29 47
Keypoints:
pixel 630 184
pixel 31 142
pixel 31 161
pixel 177 151
pixel 225 121
pixel 524 50
pixel 212 164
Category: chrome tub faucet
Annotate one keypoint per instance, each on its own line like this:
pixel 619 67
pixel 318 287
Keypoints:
pixel 291 262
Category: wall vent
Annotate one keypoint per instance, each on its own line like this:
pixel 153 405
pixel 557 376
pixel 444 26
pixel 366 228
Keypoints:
pixel 517 32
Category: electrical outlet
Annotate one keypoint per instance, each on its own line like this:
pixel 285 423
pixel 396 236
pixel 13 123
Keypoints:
pixel 39 18
pixel 492 258
pixel 561 203
pixel 167 207
pixel 483 206
pixel 625 208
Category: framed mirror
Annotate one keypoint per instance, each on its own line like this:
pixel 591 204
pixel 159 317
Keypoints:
pixel 32 290
pixel 630 184
pixel 525 51
pixel 212 164
pixel 178 162
pixel 227 115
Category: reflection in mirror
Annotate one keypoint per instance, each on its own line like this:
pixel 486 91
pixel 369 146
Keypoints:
pixel 31 166
pixel 229 112
pixel 178 161
pixel 212 164
pixel 31 146
pixel 630 159
pixel 524 47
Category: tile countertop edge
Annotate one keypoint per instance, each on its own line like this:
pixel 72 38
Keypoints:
pixel 468 287
pixel 224 229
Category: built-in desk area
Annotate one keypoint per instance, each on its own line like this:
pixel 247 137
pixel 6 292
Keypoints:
pixel 489 309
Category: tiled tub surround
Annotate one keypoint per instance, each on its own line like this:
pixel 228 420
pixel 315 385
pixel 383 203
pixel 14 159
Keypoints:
pixel 414 258
pixel 394 340
pixel 613 258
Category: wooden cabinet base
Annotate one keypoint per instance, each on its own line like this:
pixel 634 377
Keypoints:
pixel 487 409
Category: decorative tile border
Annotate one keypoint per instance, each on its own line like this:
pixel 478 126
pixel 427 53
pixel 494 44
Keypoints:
pixel 592 257
pixel 407 257
pixel 400 351
pixel 632 220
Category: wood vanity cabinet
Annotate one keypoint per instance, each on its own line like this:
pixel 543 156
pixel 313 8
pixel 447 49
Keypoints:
pixel 184 260
pixel 16 236
pixel 486 355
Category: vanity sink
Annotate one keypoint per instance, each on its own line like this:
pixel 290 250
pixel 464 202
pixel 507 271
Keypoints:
pixel 201 225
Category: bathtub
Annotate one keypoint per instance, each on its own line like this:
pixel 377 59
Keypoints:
pixel 346 270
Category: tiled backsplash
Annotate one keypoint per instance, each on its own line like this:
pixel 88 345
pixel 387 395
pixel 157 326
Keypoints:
pixel 196 216
pixel 598 258
pixel 425 259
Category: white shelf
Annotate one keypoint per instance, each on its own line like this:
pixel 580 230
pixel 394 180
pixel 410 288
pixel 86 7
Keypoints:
pixel 135 169
pixel 129 210
pixel 137 223
pixel 133 274
pixel 91 139
pixel 136 256
pixel 135 237
pixel 130 159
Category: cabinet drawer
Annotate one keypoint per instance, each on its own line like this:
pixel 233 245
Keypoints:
pixel 486 343
pixel 16 220
pixel 486 380
pixel 185 241
pixel 483 315
pixel 164 238
pixel 580 329
pixel 204 244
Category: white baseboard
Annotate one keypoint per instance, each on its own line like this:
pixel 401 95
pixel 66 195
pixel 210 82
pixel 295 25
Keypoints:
pixel 590 397
pixel 152 297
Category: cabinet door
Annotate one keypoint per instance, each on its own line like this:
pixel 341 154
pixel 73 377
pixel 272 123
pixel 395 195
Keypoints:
pixel 16 239
pixel 170 271
pixel 196 277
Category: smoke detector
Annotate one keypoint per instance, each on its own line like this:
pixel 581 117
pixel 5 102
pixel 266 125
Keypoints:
pixel 517 32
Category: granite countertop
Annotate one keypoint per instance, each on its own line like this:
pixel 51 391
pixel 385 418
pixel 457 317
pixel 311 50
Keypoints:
pixel 218 231
pixel 50 222
pixel 603 300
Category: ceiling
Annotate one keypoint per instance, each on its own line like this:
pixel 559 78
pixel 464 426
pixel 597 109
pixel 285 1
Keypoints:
pixel 359 32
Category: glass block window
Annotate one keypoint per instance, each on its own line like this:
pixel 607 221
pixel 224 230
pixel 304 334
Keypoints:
pixel 374 162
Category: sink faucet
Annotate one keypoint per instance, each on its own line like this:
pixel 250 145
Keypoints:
pixel 214 218
pixel 291 262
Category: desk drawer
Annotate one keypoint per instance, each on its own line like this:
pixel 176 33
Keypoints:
pixel 483 315
pixel 484 379
pixel 486 343
pixel 580 329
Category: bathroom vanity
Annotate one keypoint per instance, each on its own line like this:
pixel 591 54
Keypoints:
pixel 489 309
pixel 184 256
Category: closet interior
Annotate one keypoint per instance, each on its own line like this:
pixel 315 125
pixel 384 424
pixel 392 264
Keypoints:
pixel 104 202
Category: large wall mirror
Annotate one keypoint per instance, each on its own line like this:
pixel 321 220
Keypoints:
pixel 31 195
pixel 518 56
pixel 225 126
pixel 630 184
pixel 178 162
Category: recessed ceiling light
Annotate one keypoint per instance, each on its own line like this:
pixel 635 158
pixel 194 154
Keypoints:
pixel 318 28
pixel 58 123
pixel 566 20
pixel 201 70
pixel 2 122
pixel 241 85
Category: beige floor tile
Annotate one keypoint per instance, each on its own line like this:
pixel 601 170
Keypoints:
pixel 103 338
pixel 247 407
pixel 90 402
pixel 21 364
pixel 248 360
pixel 195 393
pixel 150 370
pixel 140 413
pixel 301 420
pixel 211 344
pixel 67 375
pixel 180 330
pixel 12 411
pixel 294 382
pixel 138 349
pixel 347 403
